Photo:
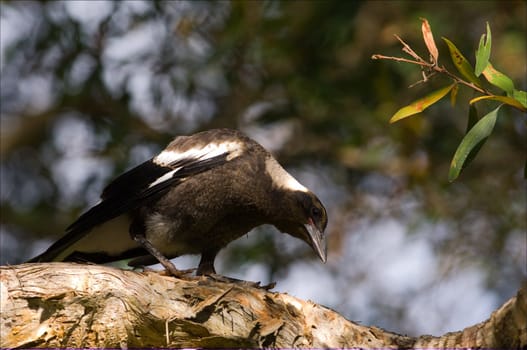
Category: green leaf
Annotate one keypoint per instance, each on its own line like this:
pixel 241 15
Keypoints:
pixel 421 104
pixel 483 52
pixel 462 64
pixel 520 96
pixel 504 99
pixel 498 79
pixel 472 142
pixel 472 120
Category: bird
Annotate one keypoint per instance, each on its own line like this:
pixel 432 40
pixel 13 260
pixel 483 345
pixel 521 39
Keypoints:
pixel 200 193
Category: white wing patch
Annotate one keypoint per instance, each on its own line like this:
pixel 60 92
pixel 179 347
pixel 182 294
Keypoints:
pixel 282 178
pixel 164 177
pixel 233 148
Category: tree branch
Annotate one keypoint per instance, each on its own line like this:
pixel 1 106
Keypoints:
pixel 72 305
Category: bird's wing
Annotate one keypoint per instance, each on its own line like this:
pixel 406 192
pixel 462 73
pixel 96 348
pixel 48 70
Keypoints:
pixel 130 190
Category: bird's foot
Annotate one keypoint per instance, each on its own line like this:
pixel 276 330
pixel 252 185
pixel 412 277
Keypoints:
pixel 225 279
pixel 181 274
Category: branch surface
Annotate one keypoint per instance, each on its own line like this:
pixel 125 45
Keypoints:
pixel 72 305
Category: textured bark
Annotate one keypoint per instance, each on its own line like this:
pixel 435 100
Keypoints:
pixel 70 305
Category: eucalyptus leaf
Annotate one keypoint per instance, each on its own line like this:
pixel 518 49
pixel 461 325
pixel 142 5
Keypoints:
pixel 421 104
pixel 483 52
pixel 498 79
pixel 513 102
pixel 471 143
pixel 520 96
pixel 462 64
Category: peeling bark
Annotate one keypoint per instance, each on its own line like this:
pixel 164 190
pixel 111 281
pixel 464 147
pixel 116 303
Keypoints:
pixel 71 305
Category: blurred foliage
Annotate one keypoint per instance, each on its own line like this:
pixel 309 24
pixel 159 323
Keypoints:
pixel 90 89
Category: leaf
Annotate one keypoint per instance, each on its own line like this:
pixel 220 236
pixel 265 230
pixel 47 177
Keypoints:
pixel 471 143
pixel 421 104
pixel 453 95
pixel 520 96
pixel 498 79
pixel 483 52
pixel 429 40
pixel 504 99
pixel 461 63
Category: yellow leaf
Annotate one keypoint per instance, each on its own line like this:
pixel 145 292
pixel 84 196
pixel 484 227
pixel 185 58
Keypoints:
pixel 505 99
pixel 462 64
pixel 453 95
pixel 421 104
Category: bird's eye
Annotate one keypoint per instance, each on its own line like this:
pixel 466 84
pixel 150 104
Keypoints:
pixel 316 212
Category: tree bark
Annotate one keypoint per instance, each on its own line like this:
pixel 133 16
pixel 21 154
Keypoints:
pixel 71 305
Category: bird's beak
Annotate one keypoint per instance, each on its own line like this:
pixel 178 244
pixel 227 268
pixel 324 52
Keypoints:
pixel 318 240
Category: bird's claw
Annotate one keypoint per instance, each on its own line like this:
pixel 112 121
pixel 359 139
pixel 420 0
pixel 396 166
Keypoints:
pixel 224 279
pixel 181 274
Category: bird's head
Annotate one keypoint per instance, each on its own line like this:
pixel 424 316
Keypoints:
pixel 305 218
pixel 300 212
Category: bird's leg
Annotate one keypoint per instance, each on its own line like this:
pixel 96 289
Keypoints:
pixel 206 264
pixel 167 264
pixel 137 230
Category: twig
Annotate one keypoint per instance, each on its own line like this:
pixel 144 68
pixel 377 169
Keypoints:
pixel 399 59
pixel 431 66
pixel 408 50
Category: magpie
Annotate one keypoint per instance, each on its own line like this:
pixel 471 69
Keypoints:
pixel 196 196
